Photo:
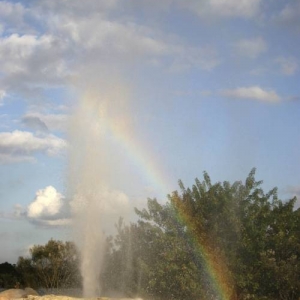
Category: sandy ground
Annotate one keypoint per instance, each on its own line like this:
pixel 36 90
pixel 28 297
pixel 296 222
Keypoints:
pixel 30 294
pixel 56 297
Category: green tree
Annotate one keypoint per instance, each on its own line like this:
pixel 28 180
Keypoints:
pixel 251 239
pixel 280 259
pixel 9 275
pixel 54 264
pixel 28 272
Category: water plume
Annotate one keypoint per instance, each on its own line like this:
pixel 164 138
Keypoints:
pixel 93 201
pixel 104 149
pixel 86 202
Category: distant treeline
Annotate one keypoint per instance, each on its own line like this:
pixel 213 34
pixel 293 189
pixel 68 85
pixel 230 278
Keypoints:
pixel 210 241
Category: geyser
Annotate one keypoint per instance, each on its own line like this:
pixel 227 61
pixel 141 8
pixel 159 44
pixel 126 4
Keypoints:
pixel 95 204
pixel 87 201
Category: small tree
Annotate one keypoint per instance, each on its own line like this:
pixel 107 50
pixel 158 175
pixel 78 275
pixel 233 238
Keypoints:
pixel 9 276
pixel 54 265
pixel 27 271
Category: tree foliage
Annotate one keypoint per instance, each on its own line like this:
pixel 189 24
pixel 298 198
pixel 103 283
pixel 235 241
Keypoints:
pixel 211 237
pixel 248 237
pixel 52 265
pixel 9 276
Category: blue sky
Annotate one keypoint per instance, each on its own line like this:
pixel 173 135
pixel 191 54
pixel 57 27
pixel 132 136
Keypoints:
pixel 123 98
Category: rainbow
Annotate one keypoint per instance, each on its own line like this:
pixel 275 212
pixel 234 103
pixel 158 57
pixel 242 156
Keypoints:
pixel 214 265
pixel 138 154
pixel 213 262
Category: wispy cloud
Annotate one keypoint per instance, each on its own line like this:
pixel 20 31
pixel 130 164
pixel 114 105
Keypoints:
pixel 252 47
pixel 288 65
pixel 19 146
pixel 32 63
pixel 290 15
pixel 13 14
pixel 225 9
pixel 2 95
pixel 186 58
pixel 252 93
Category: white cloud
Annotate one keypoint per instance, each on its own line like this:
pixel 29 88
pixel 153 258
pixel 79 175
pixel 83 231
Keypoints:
pixel 15 49
pixel 22 145
pixel 48 208
pixel 47 202
pixel 129 43
pixel 126 40
pixel 12 14
pixel 31 62
pixel 253 92
pixel 251 48
pixel 288 65
pixel 223 8
pixel 2 95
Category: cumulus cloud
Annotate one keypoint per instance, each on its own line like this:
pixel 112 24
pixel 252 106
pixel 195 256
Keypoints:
pixel 22 145
pixel 224 8
pixel 47 202
pixel 251 48
pixel 288 65
pixel 253 93
pixel 48 208
pixel 51 208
